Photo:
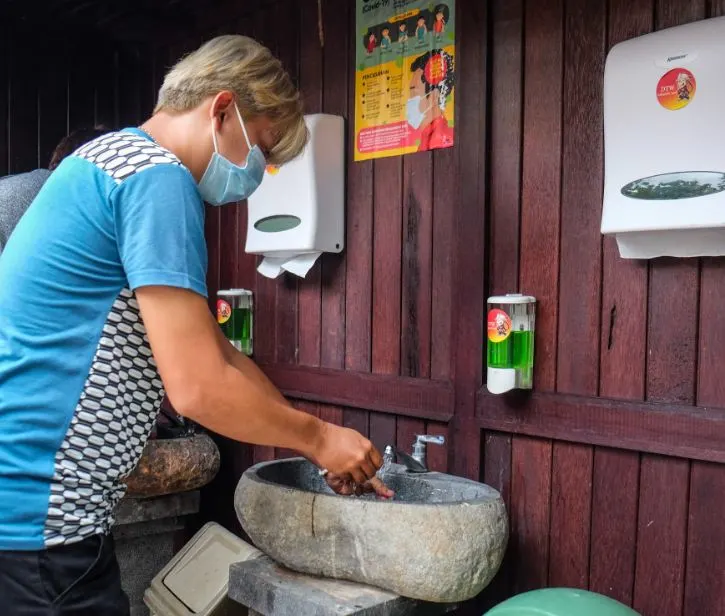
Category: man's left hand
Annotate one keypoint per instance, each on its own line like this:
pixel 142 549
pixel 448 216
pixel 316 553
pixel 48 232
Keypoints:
pixel 345 486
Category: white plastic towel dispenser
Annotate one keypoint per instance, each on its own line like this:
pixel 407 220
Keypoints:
pixel 664 142
pixel 298 211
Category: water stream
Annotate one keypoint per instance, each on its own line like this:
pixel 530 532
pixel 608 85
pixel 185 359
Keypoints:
pixel 388 457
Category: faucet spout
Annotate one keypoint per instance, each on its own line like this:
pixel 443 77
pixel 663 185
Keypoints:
pixel 416 462
pixel 413 465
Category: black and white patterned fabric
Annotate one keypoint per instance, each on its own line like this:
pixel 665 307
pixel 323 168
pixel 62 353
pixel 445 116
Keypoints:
pixel 122 393
pixel 122 154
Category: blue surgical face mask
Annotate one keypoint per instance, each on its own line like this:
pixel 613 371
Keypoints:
pixel 223 181
pixel 413 113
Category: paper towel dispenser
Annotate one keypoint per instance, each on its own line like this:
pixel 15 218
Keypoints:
pixel 664 142
pixel 298 211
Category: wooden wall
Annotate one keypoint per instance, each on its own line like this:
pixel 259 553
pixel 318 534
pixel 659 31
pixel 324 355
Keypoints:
pixel 52 84
pixel 611 469
pixel 614 496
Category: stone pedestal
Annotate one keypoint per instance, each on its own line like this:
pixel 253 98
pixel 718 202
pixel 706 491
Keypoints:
pixel 146 530
pixel 268 589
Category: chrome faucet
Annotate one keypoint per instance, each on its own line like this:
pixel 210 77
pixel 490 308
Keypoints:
pixel 416 462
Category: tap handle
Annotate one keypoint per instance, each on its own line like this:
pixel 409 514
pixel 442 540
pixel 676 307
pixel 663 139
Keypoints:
pixel 427 438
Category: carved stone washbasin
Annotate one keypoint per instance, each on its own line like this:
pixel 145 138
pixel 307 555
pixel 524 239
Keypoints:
pixel 173 465
pixel 441 539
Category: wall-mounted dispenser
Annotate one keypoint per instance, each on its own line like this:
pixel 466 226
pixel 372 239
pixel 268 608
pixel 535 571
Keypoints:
pixel 510 345
pixel 664 185
pixel 298 211
pixel 235 315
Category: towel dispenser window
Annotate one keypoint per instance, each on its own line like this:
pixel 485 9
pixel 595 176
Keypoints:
pixel 277 223
pixel 671 186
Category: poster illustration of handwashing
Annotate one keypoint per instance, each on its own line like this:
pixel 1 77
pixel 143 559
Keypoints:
pixel 404 77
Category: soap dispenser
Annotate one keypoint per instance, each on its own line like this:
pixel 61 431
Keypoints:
pixel 510 342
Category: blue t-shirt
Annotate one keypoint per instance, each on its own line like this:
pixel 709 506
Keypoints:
pixel 79 389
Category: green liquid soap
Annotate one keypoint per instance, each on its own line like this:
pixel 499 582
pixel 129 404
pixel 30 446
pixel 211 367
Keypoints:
pixel 501 354
pixel 523 349
pixel 523 352
pixel 238 329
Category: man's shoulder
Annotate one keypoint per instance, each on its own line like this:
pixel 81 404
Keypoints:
pixel 123 154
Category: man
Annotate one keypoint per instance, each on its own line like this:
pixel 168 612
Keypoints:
pixel 104 299
pixel 18 191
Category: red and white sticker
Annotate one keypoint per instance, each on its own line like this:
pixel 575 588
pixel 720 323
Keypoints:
pixel 223 311
pixel 499 325
pixel 676 89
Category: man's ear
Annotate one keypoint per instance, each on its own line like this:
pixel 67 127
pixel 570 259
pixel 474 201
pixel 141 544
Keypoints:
pixel 220 106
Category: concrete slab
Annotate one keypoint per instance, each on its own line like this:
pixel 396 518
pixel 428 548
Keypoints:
pixel 269 589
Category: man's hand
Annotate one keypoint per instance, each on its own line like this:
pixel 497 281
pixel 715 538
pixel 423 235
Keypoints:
pixel 346 453
pixel 346 487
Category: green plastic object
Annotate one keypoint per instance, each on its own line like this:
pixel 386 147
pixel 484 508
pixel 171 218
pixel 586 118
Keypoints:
pixel 561 602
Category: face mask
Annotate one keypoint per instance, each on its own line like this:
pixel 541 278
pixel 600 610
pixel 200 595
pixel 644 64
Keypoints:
pixel 413 113
pixel 223 181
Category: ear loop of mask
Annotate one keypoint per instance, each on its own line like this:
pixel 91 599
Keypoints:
pixel 244 128
pixel 213 136
pixel 241 123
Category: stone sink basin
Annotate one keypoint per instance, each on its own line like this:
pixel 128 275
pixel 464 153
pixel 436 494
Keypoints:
pixel 441 539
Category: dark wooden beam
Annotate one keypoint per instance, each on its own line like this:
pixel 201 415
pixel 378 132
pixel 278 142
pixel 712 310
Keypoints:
pixel 693 432
pixel 153 21
pixel 420 398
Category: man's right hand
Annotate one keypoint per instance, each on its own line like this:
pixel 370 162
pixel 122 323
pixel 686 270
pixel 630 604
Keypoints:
pixel 346 453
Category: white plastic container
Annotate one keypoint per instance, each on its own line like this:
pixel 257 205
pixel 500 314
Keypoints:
pixel 664 185
pixel 298 212
pixel 510 327
pixel 195 581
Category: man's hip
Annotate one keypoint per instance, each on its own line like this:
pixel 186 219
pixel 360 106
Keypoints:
pixel 81 579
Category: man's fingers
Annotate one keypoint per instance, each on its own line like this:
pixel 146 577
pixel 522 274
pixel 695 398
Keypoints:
pixel 368 469
pixel 358 476
pixel 339 484
pixel 345 485
pixel 377 486
pixel 375 457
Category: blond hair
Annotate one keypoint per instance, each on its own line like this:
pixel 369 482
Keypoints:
pixel 261 85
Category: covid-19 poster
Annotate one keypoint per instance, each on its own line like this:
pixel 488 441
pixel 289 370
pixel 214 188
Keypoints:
pixel 405 77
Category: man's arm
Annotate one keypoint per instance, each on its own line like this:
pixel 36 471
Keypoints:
pixel 248 367
pixel 203 385
pixel 159 226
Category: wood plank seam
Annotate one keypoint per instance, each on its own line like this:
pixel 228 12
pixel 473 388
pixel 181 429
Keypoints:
pixel 692 432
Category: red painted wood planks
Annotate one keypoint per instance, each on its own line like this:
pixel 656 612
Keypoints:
pixel 310 298
pixel 530 512
pixel 287 37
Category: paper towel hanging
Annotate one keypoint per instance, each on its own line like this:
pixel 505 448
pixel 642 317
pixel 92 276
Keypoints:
pixel 298 211
pixel 664 142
